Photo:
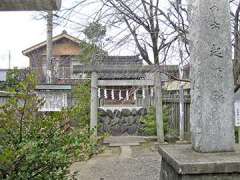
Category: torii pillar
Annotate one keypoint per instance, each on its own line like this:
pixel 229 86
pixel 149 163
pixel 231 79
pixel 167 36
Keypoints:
pixel 94 103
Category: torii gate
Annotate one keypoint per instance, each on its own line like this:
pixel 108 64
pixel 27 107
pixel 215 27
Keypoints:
pixel 94 69
pixel 30 5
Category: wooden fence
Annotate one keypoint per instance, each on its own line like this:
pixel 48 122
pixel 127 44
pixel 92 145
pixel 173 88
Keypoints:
pixel 171 105
pixel 173 111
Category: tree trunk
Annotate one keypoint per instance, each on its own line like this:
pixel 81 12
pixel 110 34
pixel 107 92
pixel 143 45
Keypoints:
pixel 29 5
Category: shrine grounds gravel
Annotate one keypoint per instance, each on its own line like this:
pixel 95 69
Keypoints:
pixel 125 163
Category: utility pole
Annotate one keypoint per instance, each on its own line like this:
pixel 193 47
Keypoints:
pixel 49 46
pixel 181 91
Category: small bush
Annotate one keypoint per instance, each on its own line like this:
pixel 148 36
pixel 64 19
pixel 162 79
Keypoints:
pixel 79 113
pixel 149 127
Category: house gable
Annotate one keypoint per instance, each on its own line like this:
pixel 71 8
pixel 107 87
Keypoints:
pixel 63 44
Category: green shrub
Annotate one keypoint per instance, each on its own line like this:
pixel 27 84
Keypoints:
pixel 39 146
pixel 149 122
pixel 80 112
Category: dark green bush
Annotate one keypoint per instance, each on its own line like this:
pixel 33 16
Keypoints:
pixel 40 146
pixel 149 122
pixel 80 112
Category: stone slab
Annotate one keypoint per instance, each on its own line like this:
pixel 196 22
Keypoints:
pixel 184 161
pixel 117 141
pixel 123 144
pixel 126 152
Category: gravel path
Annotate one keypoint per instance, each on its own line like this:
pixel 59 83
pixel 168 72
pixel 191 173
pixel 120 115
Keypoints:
pixel 125 163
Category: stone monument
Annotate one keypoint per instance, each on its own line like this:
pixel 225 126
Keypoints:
pixel 212 117
pixel 212 154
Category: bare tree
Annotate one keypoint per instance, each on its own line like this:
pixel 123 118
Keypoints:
pixel 142 19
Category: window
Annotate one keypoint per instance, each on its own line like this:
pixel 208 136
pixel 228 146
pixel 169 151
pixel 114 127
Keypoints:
pixel 77 75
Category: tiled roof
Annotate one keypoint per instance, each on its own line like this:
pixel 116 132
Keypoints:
pixel 119 60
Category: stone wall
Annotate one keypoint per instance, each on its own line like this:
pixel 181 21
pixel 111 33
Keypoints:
pixel 121 122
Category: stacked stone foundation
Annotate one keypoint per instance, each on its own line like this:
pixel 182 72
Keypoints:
pixel 121 122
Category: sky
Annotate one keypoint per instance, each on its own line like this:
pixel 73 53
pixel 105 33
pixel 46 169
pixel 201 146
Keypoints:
pixel 20 30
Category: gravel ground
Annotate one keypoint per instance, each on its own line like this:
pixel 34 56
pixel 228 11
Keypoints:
pixel 128 163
